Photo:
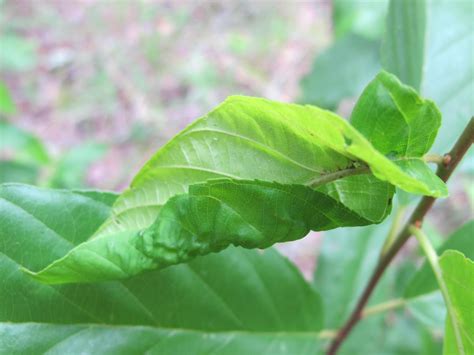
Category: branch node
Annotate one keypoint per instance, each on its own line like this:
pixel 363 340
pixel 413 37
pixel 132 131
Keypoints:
pixel 447 159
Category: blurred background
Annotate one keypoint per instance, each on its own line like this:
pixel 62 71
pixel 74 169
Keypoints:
pixel 103 84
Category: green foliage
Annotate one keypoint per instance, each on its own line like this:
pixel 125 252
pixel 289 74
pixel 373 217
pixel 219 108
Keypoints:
pixel 165 267
pixel 394 118
pixel 238 300
pixel 214 215
pixel 416 48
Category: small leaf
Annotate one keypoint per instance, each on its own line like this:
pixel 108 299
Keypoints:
pixel 395 119
pixel 458 274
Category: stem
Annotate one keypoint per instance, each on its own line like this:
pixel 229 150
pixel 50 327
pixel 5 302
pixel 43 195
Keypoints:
pixel 450 162
pixel 336 175
pixel 369 311
pixel 434 158
pixel 324 179
pixel 383 307
pixel 433 260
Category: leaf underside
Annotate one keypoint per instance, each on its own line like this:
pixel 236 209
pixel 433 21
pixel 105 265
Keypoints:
pixel 179 206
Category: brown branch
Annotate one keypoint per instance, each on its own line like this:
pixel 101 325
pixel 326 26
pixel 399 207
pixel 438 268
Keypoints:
pixel 450 162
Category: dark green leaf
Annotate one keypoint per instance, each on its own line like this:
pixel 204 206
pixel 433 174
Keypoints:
pixel 395 119
pixel 209 218
pixel 34 338
pixel 238 300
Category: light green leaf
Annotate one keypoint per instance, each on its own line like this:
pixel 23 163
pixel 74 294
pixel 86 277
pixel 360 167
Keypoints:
pixel 395 119
pixel 331 79
pixel 290 144
pixel 208 220
pixel 403 48
pixel 424 281
pixel 458 275
pixel 169 311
